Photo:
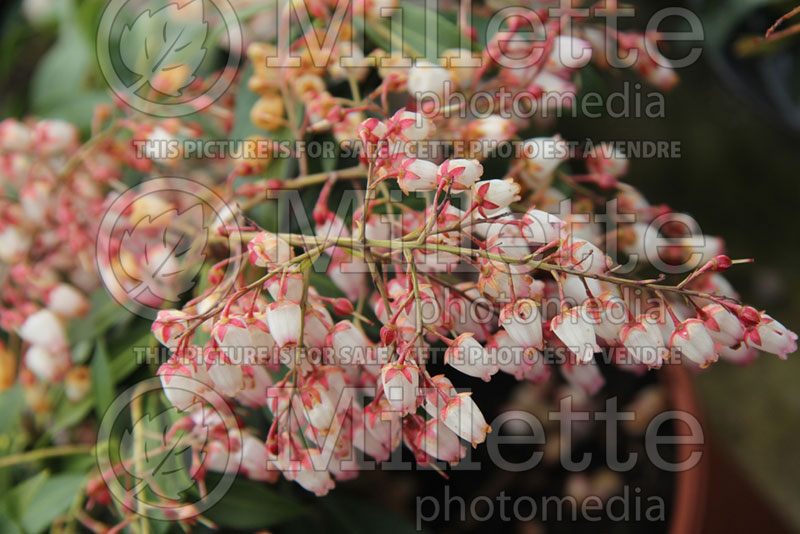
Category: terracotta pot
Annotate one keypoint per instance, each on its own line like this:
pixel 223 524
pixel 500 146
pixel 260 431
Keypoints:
pixel 689 500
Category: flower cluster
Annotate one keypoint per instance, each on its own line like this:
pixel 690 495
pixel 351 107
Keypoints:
pixel 492 275
pixel 45 238
pixel 55 193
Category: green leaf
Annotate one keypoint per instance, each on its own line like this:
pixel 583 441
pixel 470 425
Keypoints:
pixel 123 358
pixel 415 32
pixel 104 313
pixel 102 380
pixel 52 499
pixel 63 71
pixel 7 525
pixel 19 498
pixel 324 285
pixel 68 415
pixel 163 40
pixel 12 402
pixel 78 110
pixel 245 98
pixel 248 506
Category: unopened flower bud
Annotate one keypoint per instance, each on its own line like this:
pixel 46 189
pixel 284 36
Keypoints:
pixel 77 383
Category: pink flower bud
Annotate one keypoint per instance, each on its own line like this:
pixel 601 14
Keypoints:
pixel 183 381
pixel 44 329
pixel 585 257
pixel 540 227
pixel 438 441
pixel 523 322
pixel 720 263
pixel 643 341
pixel 609 314
pixel 168 327
pixel 267 249
pixel 543 155
pixel 462 416
pixel 77 382
pixel 286 286
pixel 372 130
pixel 569 53
pixel 520 362
pixel 283 319
pixel 388 334
pixel 53 137
pixel 15 136
pixel 400 383
pixel 771 336
pixel 14 244
pixel 493 196
pixel 255 464
pixel 461 173
pixel 417 175
pixel 413 126
pixel 575 329
pixel 723 326
pixel 691 339
pixel 46 365
pixel 469 357
pixel 256 380
pixel 67 302
pixel 343 307
pixel 311 476
pixel 749 316
pixel 226 375
pixel 426 79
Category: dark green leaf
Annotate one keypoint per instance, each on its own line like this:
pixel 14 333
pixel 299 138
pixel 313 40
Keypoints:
pixel 123 357
pixel 357 516
pixel 7 525
pixel 102 380
pixel 250 505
